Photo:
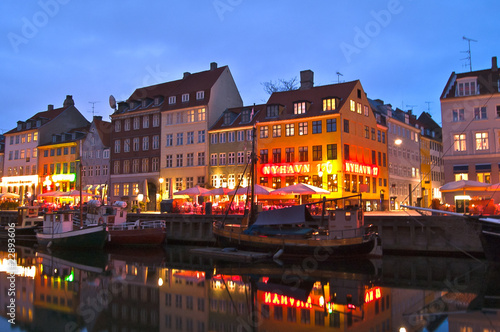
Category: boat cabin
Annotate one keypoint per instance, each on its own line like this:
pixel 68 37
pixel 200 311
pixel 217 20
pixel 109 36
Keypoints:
pixel 57 222
pixel 27 216
pixel 344 220
pixel 114 214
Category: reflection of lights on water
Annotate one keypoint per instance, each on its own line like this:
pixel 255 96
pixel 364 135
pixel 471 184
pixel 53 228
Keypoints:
pixel 160 282
pixel 10 266
pixel 402 329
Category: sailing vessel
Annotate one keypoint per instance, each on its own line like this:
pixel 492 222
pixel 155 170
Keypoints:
pixel 122 232
pixel 58 231
pixel 294 232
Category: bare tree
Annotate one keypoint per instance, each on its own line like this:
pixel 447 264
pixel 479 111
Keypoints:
pixel 280 85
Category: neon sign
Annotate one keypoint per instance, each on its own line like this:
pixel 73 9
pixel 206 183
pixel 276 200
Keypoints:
pixel 373 294
pixel 285 169
pixel 355 167
pixel 277 299
pixel 64 177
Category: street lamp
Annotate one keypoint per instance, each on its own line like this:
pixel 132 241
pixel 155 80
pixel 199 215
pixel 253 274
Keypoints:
pixel 161 180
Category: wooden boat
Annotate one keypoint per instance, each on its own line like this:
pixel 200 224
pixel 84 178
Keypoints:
pixel 27 223
pixel 59 232
pixel 293 232
pixel 122 232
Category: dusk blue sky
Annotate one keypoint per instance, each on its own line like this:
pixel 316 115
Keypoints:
pixel 403 52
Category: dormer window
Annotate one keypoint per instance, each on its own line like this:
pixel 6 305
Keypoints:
pixel 157 101
pixel 185 97
pixel 467 87
pixel 200 95
pixel 171 100
pixel 144 103
pixel 329 104
pixel 245 116
pixel 227 118
pixel 299 107
pixel 38 123
pixel 272 111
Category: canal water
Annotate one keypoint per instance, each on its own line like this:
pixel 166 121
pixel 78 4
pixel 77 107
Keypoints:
pixel 173 289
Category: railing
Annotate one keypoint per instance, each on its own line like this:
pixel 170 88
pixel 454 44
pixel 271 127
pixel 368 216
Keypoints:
pixel 138 225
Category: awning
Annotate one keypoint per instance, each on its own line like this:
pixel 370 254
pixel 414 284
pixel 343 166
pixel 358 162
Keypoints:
pixel 483 167
pixel 457 169
pixel 87 187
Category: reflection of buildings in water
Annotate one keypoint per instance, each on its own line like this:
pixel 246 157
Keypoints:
pixel 183 300
pixel 24 284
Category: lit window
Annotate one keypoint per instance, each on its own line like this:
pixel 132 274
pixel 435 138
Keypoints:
pixel 329 104
pixel 460 144
pixel 289 129
pixel 302 128
pixel 299 107
pixel 482 141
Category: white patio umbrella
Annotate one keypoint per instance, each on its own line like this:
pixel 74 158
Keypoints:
pixel 193 191
pixel 463 185
pixel 300 189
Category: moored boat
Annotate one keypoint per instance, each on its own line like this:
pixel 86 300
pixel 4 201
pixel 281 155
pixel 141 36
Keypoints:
pixel 122 232
pixel 293 232
pixel 25 226
pixel 58 231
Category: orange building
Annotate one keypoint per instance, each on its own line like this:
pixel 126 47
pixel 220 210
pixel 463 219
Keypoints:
pixel 326 136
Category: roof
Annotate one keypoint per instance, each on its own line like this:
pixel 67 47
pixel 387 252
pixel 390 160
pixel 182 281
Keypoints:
pixel 104 130
pixel 190 83
pixel 236 115
pixel 315 96
pixel 47 115
pixel 290 216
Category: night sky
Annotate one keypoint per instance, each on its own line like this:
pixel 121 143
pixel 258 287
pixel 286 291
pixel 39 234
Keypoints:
pixel 403 52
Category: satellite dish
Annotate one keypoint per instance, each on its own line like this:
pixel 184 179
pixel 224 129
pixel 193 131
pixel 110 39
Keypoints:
pixel 112 102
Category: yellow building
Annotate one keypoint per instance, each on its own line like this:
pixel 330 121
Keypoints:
pixel 326 136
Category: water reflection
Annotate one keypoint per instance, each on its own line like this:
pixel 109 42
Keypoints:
pixel 173 290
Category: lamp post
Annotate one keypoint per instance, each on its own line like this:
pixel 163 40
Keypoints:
pixel 160 180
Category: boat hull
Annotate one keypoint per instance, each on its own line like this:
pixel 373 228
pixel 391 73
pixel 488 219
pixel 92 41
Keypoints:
pixel 91 237
pixel 21 234
pixel 137 237
pixel 490 240
pixel 320 249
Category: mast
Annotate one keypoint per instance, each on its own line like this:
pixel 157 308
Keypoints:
pixel 81 206
pixel 251 213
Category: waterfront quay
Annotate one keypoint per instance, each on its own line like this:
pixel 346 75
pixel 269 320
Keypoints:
pixel 405 232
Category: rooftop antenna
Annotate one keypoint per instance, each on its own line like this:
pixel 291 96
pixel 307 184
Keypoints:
pixel 469 57
pixel 93 105
pixel 411 107
pixel 428 105
pixel 338 76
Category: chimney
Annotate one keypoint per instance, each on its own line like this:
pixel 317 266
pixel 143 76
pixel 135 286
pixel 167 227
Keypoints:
pixel 97 118
pixel 50 107
pixel 494 66
pixel 306 79
pixel 213 65
pixel 68 101
pixel 186 74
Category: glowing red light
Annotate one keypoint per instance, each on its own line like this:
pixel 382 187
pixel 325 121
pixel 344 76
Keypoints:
pixel 373 294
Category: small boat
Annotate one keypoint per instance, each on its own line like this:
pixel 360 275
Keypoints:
pixel 293 232
pixel 58 231
pixel 25 227
pixel 122 232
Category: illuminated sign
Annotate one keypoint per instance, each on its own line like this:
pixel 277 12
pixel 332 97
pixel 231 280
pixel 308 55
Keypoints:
pixel 373 294
pixel 285 169
pixel 64 177
pixel 277 299
pixel 19 180
pixel 355 167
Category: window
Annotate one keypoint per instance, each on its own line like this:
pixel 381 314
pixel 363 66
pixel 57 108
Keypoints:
pixel 346 152
pixel 201 136
pixel 498 111
pixel 482 141
pixel 178 160
pixel 137 123
pixel 272 111
pixel 367 112
pixel 290 155
pixel 116 167
pixel 299 107
pixel 231 158
pixel 156 142
pixel 190 159
pixel 276 130
pixel 329 104
pixel 201 114
pixel 231 136
pixel 264 156
pixel 352 106
pixel 466 88
pixel 200 95
pixel 346 126
pixel 276 155
pixel 213 159
pixel 135 144
pixel 180 138
pixel 303 155
pixel 135 166
pixel 126 145
pixel 213 138
pixel 331 125
pixel 480 113
pixel 190 137
pixel 240 136
pixel 145 165
pixel 117 146
pixel 331 151
pixel 459 142
pixel 171 100
pixel 169 140
pixel 249 135
pixel 118 126
pixel 190 116
pixel 302 128
pixel 201 158
pixel 316 126
pixel 264 132
pixel 240 158
pixel 289 129
pixel 145 143
pixel 373 133
pixel 179 117
pixel 458 115
pixel 222 158
pixel 168 159
pixel 145 121
pixel 156 120
pixel 222 137
pixel 169 119
pixel 317 153
pixel 185 97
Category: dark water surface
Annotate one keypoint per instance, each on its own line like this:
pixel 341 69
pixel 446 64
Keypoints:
pixel 172 289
